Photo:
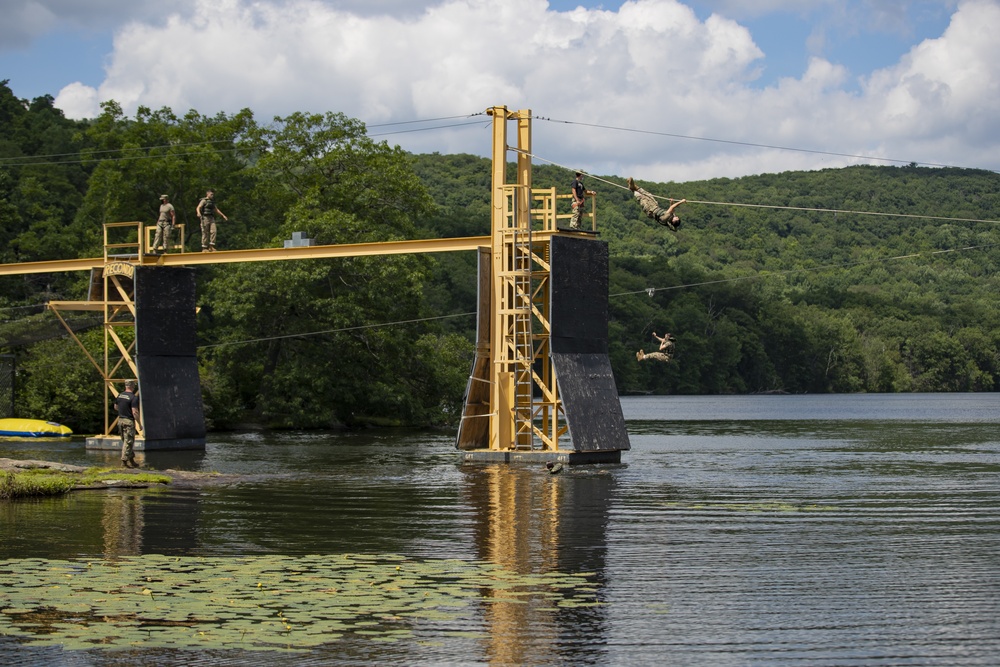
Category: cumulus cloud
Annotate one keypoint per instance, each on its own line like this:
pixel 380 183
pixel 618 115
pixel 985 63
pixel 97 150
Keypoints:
pixel 26 20
pixel 652 65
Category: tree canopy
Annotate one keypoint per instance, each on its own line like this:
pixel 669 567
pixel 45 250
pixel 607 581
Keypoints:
pixel 764 287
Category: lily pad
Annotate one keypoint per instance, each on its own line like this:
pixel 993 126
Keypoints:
pixel 266 603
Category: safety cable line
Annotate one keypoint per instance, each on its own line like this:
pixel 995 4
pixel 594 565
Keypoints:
pixel 767 206
pixel 745 143
pixel 328 331
pixel 160 156
pixel 648 290
pixel 121 158
pixel 23 160
pixel 5 160
pixel 427 120
pixel 765 274
pixel 425 129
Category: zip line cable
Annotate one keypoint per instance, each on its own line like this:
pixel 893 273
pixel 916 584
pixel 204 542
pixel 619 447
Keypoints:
pixel 428 120
pixel 650 291
pixel 341 330
pixel 766 206
pixel 766 274
pixel 424 129
pixel 160 156
pixel 24 160
pixel 5 160
pixel 311 333
pixel 743 143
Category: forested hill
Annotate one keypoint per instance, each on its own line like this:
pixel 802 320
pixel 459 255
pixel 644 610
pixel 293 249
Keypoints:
pixel 758 299
pixel 778 299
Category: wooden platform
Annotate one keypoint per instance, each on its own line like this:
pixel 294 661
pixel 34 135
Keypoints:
pixel 539 457
pixel 109 442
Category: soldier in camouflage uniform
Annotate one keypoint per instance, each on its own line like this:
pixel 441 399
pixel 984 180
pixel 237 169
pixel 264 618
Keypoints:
pixel 666 347
pixel 127 405
pixel 206 213
pixel 664 216
pixel 578 200
pixel 164 225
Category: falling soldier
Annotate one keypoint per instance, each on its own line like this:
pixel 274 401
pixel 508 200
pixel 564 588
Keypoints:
pixel 664 216
pixel 164 225
pixel 666 347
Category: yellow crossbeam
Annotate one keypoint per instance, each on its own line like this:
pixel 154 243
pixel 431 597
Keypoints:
pixel 257 255
pixel 54 266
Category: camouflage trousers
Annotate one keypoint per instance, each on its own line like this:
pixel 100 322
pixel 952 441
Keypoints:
pixel 162 238
pixel 651 207
pixel 657 356
pixel 126 427
pixel 207 232
pixel 574 221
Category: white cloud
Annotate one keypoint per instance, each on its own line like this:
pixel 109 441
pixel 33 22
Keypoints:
pixel 26 20
pixel 78 101
pixel 652 65
pixel 945 94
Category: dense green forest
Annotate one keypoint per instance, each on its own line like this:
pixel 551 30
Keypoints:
pixel 759 294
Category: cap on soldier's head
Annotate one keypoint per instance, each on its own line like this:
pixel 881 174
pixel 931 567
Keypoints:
pixel 164 197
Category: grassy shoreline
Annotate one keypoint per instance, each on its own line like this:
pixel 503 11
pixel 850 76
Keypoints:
pixel 42 482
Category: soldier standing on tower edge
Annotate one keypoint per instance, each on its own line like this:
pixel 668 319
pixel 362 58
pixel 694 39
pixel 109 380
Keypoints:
pixel 206 212
pixel 164 225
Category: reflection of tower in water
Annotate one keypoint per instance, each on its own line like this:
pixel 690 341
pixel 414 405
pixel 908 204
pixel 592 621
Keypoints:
pixel 136 522
pixel 122 521
pixel 531 522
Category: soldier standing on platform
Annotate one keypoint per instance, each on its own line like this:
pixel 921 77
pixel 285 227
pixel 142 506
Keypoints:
pixel 206 213
pixel 164 225
pixel 127 404
pixel 578 201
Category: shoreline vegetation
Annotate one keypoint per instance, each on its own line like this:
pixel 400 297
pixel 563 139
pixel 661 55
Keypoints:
pixel 38 479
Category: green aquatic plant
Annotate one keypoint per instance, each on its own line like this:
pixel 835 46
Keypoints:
pixel 24 484
pixel 35 482
pixel 258 602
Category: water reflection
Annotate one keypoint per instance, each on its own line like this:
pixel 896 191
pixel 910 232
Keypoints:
pixel 533 522
pixel 752 536
pixel 122 522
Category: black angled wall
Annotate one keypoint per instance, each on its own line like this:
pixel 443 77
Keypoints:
pixel 165 353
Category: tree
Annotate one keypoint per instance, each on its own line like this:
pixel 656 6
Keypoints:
pixel 337 186
pixel 135 160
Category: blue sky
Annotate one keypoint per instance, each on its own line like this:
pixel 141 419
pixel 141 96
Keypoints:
pixel 44 64
pixel 896 79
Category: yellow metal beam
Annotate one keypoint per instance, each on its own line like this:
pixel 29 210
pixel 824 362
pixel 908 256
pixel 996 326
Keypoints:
pixel 76 305
pixel 256 255
pixel 54 266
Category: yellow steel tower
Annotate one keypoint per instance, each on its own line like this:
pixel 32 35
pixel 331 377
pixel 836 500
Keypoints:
pixel 514 408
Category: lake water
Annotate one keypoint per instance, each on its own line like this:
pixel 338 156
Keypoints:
pixel 762 530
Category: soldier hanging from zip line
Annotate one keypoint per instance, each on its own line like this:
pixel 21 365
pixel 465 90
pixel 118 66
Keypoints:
pixel 666 347
pixel 664 216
